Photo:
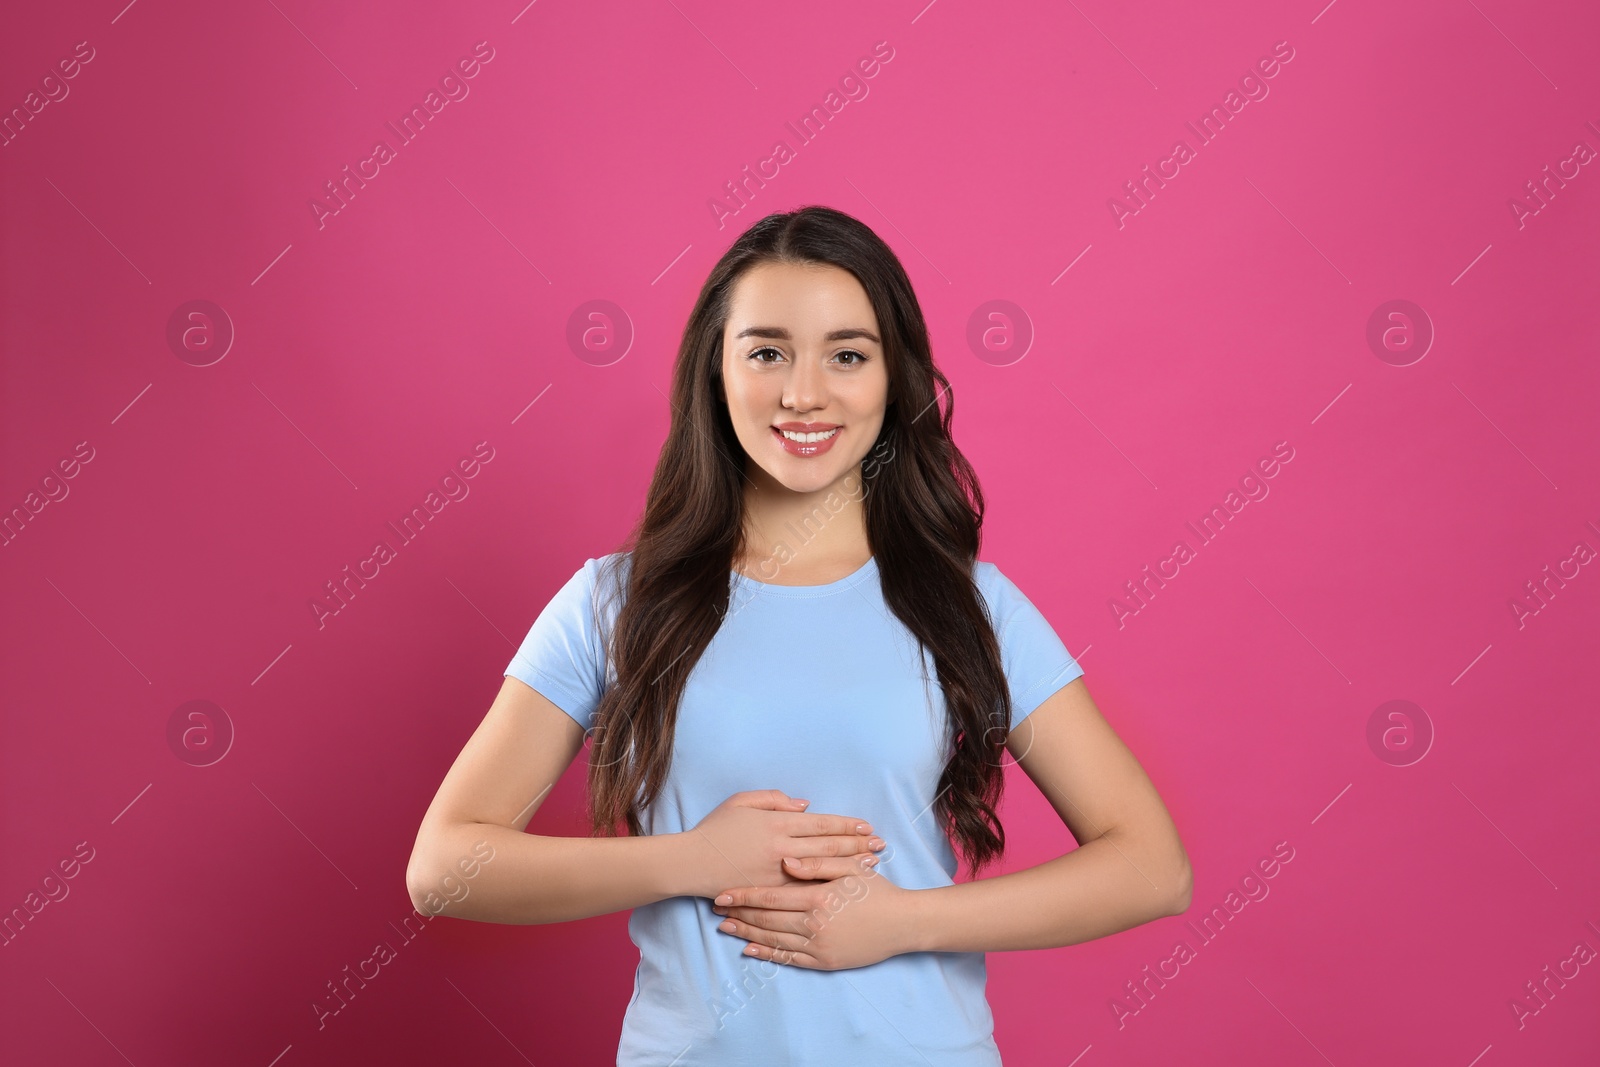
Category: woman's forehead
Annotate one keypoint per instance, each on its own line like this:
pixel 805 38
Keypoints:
pixel 805 302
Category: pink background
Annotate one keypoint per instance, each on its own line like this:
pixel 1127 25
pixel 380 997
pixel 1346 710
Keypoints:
pixel 373 352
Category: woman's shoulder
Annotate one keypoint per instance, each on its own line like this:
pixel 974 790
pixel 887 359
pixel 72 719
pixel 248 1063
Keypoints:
pixel 988 576
pixel 1000 592
pixel 607 577
pixel 612 563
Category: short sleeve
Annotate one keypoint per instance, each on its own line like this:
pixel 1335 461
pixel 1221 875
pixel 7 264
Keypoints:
pixel 563 656
pixel 1035 661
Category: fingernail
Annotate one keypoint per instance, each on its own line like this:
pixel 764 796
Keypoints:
pixel 870 861
pixel 863 828
pixel 724 899
pixel 800 802
pixel 791 861
pixel 877 844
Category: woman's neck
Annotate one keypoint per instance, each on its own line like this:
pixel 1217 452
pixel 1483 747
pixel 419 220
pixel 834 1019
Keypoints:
pixel 812 537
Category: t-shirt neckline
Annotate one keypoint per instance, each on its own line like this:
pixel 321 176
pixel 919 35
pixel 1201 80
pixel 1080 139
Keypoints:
pixel 860 574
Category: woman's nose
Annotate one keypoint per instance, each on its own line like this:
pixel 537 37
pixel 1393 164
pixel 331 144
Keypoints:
pixel 805 388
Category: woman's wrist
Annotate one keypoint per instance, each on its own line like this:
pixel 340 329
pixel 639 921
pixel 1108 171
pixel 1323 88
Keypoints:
pixel 914 921
pixel 686 867
pixel 674 870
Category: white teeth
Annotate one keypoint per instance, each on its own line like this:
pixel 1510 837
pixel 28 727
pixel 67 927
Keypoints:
pixel 808 438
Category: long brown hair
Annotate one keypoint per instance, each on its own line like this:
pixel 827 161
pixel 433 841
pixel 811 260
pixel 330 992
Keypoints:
pixel 923 510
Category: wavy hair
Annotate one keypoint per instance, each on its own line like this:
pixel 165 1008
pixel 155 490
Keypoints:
pixel 923 512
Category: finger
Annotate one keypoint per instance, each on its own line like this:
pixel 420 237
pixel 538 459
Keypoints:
pixel 852 845
pixel 800 923
pixel 827 868
pixel 787 958
pixel 799 897
pixel 770 799
pixel 760 935
pixel 817 824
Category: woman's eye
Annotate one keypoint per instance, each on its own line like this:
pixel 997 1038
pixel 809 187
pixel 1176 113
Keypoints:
pixel 758 354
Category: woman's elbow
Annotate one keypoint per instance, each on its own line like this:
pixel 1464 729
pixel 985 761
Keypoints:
pixel 417 882
pixel 1183 879
pixel 1180 903
pixel 423 880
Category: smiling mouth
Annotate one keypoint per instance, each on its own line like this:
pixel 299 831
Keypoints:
pixel 808 438
pixel 806 444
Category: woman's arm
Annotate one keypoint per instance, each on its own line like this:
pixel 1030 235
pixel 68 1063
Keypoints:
pixel 1130 867
pixel 500 779
pixel 473 860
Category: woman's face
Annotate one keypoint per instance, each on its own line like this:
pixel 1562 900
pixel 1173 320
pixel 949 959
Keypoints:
pixel 801 352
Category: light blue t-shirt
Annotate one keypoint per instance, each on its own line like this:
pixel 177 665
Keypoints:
pixel 818 691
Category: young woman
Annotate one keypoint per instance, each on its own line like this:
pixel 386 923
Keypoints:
pixel 801 686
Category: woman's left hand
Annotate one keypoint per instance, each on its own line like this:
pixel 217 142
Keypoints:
pixel 851 921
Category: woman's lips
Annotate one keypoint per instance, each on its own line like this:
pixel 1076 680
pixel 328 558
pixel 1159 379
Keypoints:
pixel 806 448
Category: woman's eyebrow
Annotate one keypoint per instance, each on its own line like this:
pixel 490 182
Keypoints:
pixel 778 333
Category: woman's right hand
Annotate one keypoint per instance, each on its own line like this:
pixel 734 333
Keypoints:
pixel 743 841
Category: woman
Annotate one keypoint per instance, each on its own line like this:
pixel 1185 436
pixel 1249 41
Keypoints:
pixel 801 685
